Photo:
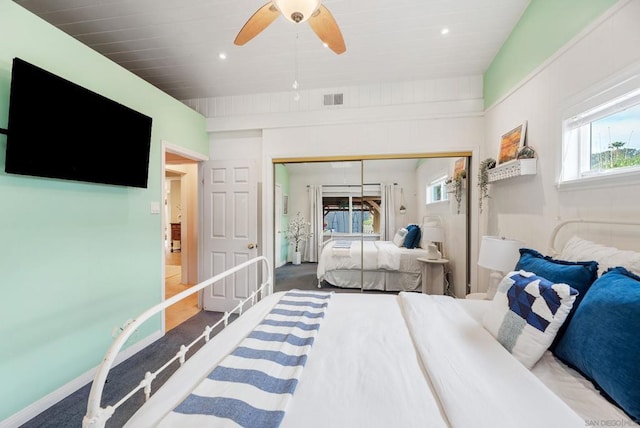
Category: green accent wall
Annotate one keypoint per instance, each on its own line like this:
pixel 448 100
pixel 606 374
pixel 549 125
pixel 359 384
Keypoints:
pixel 282 178
pixel 545 27
pixel 76 259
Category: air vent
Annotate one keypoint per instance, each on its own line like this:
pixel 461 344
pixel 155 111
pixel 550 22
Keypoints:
pixel 333 99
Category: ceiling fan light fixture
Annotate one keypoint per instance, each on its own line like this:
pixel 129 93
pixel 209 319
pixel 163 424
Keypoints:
pixel 297 10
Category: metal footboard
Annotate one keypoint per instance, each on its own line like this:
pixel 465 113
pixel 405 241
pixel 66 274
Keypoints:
pixel 96 415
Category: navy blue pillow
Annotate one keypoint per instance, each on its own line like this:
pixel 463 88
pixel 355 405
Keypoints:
pixel 412 239
pixel 579 275
pixel 603 342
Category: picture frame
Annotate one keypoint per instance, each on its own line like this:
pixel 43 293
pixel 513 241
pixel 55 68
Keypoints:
pixel 511 143
pixel 458 166
pixel 285 205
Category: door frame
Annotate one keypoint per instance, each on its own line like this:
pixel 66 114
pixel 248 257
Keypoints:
pixel 278 211
pixel 190 155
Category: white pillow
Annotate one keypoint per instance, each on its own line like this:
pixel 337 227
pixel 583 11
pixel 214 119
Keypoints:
pixel 526 314
pixel 578 249
pixel 399 238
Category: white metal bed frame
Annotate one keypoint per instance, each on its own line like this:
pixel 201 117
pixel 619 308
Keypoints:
pixel 96 415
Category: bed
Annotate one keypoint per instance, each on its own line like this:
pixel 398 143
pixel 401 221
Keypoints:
pixel 418 360
pixel 385 266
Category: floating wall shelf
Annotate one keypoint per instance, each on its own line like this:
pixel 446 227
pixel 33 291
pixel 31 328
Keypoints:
pixel 513 169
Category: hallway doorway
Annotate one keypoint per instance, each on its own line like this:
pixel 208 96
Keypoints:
pixel 180 215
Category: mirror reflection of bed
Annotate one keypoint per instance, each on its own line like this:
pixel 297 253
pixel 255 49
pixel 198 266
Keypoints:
pixel 357 215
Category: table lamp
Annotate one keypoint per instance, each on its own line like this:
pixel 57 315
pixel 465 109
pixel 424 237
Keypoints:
pixel 499 255
pixel 433 234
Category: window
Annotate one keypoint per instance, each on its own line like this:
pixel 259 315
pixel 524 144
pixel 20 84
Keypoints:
pixel 350 214
pixel 437 190
pixel 603 140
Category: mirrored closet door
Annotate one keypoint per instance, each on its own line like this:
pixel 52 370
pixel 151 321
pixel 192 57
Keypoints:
pixel 326 199
pixel 354 210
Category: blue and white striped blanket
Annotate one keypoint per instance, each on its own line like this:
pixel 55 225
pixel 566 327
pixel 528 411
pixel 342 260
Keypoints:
pixel 252 386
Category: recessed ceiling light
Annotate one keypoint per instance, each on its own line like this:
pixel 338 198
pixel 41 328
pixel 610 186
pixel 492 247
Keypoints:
pixel 444 31
pixel 325 45
pixel 222 55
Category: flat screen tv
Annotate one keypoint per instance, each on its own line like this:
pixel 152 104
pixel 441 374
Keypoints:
pixel 59 129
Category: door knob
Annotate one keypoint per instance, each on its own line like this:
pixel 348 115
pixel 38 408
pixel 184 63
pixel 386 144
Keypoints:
pixel 251 245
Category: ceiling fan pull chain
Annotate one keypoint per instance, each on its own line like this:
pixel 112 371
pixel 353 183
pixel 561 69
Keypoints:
pixel 296 84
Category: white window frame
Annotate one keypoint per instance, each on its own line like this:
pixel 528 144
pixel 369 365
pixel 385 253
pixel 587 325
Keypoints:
pixel 440 182
pixel 608 98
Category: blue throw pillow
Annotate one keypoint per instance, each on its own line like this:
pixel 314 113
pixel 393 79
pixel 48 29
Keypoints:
pixel 603 341
pixel 578 275
pixel 412 239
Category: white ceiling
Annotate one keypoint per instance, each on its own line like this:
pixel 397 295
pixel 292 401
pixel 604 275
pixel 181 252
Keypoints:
pixel 174 44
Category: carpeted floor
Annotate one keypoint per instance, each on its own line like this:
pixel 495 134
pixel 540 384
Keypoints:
pixel 302 277
pixel 123 378
pixel 69 412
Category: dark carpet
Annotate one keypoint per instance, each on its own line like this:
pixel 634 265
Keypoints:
pixel 124 377
pixel 303 277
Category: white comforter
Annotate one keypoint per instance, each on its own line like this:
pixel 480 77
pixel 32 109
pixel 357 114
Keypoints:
pixel 411 360
pixel 477 381
pixel 354 377
pixel 369 255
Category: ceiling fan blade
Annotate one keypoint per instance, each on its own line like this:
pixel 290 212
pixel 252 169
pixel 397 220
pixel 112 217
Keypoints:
pixel 325 26
pixel 258 22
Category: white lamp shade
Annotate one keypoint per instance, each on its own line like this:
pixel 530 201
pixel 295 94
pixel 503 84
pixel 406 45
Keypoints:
pixel 432 233
pixel 289 8
pixel 499 254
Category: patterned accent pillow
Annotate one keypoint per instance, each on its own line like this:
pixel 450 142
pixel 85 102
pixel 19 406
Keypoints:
pixel 526 314
pixel 399 238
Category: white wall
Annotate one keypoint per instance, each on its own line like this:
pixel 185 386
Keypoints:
pixel 175 207
pixel 419 136
pixel 454 223
pixel 527 208
pixel 412 118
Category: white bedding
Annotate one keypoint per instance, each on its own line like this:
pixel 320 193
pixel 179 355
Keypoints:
pixel 371 374
pixel 354 377
pixel 377 258
pixel 566 383
pixel 477 381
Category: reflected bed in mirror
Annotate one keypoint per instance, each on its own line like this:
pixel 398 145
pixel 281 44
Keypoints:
pixel 358 204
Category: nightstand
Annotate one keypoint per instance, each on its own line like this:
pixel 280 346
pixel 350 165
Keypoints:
pixel 433 271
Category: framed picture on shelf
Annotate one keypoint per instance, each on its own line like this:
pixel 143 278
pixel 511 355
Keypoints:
pixel 459 165
pixel 511 143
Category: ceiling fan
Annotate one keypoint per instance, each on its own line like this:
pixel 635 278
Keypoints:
pixel 297 11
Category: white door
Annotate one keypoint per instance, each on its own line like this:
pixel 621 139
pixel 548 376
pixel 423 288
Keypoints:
pixel 278 227
pixel 230 223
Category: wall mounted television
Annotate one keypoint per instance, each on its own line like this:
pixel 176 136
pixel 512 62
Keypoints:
pixel 59 129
